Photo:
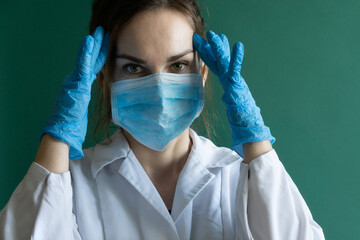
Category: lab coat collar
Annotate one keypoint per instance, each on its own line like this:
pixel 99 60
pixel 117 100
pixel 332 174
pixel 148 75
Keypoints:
pixel 209 155
pixel 195 175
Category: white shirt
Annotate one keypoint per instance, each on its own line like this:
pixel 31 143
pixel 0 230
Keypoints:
pixel 108 195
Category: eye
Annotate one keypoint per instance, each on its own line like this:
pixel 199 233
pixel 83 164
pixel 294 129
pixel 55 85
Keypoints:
pixel 133 68
pixel 179 66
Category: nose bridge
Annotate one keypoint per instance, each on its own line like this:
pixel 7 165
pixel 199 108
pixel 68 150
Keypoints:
pixel 156 60
pixel 158 68
pixel 157 64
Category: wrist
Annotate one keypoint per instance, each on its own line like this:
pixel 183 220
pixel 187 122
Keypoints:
pixel 253 150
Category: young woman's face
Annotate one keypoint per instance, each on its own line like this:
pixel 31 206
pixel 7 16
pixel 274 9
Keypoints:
pixel 155 41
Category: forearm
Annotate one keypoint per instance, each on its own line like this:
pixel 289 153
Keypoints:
pixel 40 207
pixel 253 150
pixel 274 206
pixel 53 154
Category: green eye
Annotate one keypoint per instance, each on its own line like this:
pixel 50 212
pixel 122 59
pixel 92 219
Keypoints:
pixel 178 66
pixel 132 68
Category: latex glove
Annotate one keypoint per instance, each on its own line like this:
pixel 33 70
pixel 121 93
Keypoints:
pixel 244 116
pixel 69 117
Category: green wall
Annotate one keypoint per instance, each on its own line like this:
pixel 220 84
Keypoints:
pixel 301 64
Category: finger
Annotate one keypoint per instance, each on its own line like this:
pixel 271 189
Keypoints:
pixel 85 53
pixel 80 49
pixel 237 56
pixel 98 38
pixel 217 46
pixel 225 41
pixel 100 61
pixel 205 52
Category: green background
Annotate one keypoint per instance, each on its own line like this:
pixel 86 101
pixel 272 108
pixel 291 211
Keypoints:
pixel 301 64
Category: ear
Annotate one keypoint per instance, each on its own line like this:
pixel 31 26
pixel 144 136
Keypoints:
pixel 204 72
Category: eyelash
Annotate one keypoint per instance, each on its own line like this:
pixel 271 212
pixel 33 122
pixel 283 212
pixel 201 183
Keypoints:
pixel 130 65
pixel 185 64
pixel 127 66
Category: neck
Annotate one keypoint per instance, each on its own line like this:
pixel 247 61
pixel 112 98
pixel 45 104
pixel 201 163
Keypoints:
pixel 165 164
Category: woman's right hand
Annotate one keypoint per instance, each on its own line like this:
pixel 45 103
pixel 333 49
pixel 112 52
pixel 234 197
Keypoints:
pixel 69 117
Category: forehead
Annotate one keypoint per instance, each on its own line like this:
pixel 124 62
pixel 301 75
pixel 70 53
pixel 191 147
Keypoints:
pixel 160 32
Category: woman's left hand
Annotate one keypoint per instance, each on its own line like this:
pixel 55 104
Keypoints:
pixel 244 116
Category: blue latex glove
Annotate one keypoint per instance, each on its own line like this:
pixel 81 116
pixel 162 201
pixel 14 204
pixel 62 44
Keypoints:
pixel 244 116
pixel 69 117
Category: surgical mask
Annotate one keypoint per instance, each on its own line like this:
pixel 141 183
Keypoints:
pixel 157 108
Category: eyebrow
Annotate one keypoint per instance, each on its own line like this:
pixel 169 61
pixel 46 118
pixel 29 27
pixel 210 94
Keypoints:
pixel 170 59
pixel 180 55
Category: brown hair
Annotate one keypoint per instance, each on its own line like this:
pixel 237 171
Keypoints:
pixel 112 15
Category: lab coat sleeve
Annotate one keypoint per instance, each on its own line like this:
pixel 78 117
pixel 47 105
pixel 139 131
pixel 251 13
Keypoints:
pixel 40 208
pixel 269 205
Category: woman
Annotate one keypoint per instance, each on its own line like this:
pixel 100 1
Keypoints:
pixel 155 178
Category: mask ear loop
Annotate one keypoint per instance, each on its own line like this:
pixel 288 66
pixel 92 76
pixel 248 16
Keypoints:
pixel 200 66
pixel 199 70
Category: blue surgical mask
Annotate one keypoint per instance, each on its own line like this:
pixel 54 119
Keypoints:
pixel 157 108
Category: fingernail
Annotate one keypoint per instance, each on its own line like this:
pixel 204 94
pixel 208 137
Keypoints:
pixel 210 34
pixel 99 30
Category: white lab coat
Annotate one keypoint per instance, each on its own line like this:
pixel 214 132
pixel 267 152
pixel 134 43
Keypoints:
pixel 108 195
